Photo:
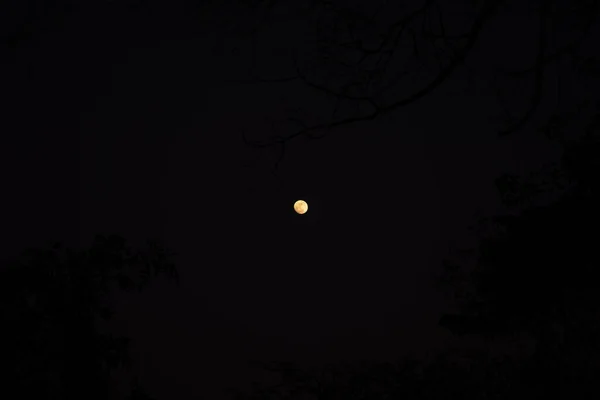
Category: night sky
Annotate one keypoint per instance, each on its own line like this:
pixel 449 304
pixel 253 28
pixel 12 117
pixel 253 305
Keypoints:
pixel 129 120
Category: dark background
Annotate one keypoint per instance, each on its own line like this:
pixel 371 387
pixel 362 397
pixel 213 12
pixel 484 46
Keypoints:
pixel 123 118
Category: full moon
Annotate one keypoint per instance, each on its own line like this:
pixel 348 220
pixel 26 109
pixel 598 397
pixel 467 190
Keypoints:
pixel 301 207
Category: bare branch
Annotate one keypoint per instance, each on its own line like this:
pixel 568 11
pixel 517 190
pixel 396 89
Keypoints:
pixel 378 108
pixel 458 60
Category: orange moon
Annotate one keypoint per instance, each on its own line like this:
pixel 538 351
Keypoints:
pixel 301 207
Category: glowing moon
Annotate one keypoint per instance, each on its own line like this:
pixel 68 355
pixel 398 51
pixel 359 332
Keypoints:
pixel 301 207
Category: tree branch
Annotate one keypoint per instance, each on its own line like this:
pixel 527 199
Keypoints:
pixel 378 109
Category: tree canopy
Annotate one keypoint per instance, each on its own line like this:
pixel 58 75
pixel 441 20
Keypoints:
pixel 50 300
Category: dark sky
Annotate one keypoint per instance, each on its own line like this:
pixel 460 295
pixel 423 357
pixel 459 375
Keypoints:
pixel 123 121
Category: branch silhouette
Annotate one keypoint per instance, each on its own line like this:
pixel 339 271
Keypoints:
pixel 375 66
pixel 378 107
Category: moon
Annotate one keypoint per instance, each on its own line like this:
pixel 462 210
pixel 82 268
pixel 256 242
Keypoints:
pixel 301 207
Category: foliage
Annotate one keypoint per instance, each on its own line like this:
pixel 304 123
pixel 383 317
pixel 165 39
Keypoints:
pixel 535 266
pixel 50 299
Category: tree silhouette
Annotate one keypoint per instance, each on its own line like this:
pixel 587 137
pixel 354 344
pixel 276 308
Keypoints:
pixel 535 268
pixel 50 300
